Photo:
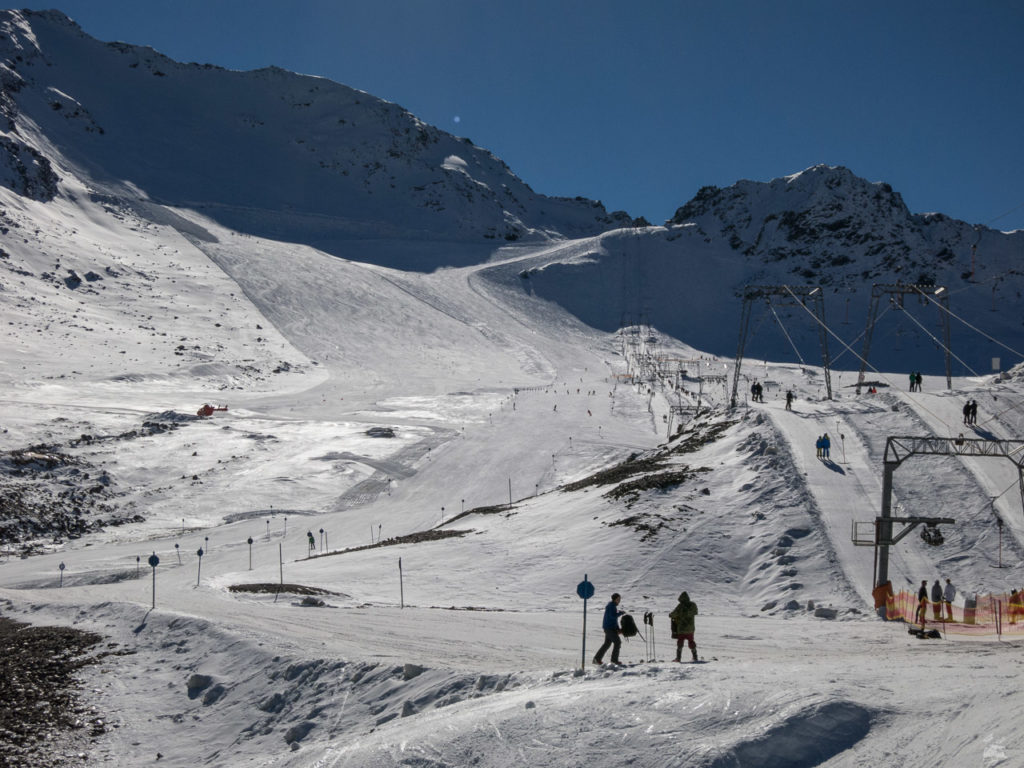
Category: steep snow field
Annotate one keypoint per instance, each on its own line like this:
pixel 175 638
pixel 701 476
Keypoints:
pixel 466 649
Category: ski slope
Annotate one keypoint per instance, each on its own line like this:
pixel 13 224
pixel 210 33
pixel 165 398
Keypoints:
pixel 469 649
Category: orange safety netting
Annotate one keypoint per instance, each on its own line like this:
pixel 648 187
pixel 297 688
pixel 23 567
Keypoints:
pixel 977 615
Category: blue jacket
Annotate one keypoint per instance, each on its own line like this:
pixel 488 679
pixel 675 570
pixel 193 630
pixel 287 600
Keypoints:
pixel 611 617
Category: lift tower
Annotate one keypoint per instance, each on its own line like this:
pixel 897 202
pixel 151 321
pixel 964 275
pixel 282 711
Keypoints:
pixel 784 295
pixel 898 450
pixel 925 294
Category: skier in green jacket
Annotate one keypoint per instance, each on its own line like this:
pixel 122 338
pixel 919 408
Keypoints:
pixel 683 625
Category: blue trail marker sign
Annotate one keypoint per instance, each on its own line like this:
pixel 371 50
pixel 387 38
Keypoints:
pixel 584 589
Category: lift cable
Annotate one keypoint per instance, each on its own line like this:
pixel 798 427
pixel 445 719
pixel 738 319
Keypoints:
pixel 869 365
pixel 786 333
pixel 942 346
pixel 976 330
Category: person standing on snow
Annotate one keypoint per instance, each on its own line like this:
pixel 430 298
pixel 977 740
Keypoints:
pixel 967 412
pixel 974 413
pixel 883 599
pixel 610 625
pixel 825 445
pixel 922 603
pixel 947 598
pixel 312 541
pixel 789 400
pixel 817 447
pixel 683 625
pixel 936 600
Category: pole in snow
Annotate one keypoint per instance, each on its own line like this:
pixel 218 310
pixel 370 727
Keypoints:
pixel 585 590
pixel 199 568
pixel 249 541
pixel 61 566
pixel 401 585
pixel 177 549
pixel 154 561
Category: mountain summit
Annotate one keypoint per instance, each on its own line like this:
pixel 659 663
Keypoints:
pixel 827 224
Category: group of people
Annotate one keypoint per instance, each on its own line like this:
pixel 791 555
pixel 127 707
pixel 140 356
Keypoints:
pixel 683 618
pixel 940 596
pixel 915 381
pixel 757 392
pixel 971 412
pixel 823 445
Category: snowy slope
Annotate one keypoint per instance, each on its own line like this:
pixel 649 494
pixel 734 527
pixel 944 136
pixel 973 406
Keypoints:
pixel 530 447
pixel 268 152
pixel 487 390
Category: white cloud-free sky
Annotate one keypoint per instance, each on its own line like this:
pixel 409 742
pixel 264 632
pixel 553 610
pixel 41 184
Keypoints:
pixel 640 107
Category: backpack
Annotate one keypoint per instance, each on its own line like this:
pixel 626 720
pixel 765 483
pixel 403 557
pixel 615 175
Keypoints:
pixel 628 626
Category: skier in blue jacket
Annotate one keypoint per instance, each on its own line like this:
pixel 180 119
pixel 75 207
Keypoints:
pixel 611 630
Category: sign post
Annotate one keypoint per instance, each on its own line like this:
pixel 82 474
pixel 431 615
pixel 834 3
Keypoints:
pixel 249 541
pixel 154 561
pixel 199 568
pixel 584 589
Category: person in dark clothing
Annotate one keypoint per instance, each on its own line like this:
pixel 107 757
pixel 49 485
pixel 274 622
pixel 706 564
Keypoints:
pixel 967 412
pixel 610 625
pixel 826 445
pixel 789 400
pixel 922 603
pixel 937 600
pixel 974 412
pixel 312 541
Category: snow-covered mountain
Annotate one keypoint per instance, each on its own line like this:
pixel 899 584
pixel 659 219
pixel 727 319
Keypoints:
pixel 466 448
pixel 301 159
pixel 823 226
pixel 268 152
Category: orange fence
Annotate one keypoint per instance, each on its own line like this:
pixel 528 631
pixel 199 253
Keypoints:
pixel 975 615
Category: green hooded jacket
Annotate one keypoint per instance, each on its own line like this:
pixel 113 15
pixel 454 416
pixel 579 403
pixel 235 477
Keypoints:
pixel 683 616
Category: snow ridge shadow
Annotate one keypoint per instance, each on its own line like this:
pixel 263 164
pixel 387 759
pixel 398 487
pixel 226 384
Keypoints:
pixel 810 737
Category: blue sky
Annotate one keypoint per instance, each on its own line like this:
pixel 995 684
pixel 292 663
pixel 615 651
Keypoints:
pixel 641 104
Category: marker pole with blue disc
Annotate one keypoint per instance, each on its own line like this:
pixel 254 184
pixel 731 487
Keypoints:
pixel 154 561
pixel 585 590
